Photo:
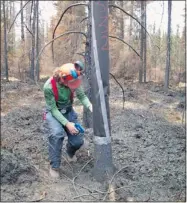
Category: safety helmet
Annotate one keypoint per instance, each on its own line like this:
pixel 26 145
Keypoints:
pixel 69 75
pixel 79 65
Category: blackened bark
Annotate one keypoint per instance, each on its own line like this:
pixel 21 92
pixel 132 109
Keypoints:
pixel 167 71
pixel 5 43
pixel 87 115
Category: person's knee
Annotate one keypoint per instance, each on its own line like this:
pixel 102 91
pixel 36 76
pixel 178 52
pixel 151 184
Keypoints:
pixel 77 143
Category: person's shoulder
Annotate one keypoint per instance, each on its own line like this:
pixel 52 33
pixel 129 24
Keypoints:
pixel 47 85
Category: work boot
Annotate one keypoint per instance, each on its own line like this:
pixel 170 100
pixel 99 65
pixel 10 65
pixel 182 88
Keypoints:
pixel 54 172
pixel 70 159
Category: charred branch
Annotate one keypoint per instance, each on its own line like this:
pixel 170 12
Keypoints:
pixel 123 92
pixel 28 30
pixel 65 33
pixel 126 44
pixel 84 19
pixel 73 5
pixel 17 15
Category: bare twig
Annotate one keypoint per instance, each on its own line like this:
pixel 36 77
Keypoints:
pixel 90 194
pixel 126 44
pixel 28 30
pixel 17 15
pixel 115 6
pixel 73 181
pixel 84 19
pixel 110 182
pixel 123 92
pixel 73 5
pixel 81 54
pixel 65 33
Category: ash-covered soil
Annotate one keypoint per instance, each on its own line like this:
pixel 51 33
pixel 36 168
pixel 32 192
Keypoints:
pixel 148 146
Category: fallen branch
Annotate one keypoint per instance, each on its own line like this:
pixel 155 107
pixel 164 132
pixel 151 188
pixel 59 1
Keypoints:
pixel 73 181
pixel 112 180
pixel 17 15
pixel 73 5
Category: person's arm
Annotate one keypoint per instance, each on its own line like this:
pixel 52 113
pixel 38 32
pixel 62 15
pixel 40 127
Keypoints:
pixel 51 104
pixel 83 98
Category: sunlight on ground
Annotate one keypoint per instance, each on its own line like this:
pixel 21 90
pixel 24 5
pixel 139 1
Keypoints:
pixel 10 79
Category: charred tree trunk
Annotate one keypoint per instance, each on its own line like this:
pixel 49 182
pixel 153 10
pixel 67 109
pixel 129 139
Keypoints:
pixel 144 44
pixel 141 45
pixel 37 40
pixel 32 67
pixel 167 71
pixel 103 167
pixel 87 115
pixel 121 23
pixel 5 42
pixel 22 23
pixel 130 26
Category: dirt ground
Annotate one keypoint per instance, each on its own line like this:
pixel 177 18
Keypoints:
pixel 148 146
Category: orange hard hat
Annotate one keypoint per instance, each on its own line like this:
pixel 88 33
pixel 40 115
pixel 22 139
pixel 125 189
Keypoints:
pixel 71 77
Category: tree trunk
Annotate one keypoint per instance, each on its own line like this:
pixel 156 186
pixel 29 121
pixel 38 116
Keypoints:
pixel 103 167
pixel 141 45
pixel 22 25
pixel 37 40
pixel 33 41
pixel 145 44
pixel 5 42
pixel 28 41
pixel 121 23
pixel 87 115
pixel 167 71
pixel 130 26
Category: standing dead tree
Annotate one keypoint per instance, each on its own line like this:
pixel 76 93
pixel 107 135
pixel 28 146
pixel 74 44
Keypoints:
pixel 103 167
pixel 5 43
pixel 167 70
pixel 87 116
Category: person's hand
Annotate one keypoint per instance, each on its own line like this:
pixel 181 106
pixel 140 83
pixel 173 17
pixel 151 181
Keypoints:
pixel 91 108
pixel 71 128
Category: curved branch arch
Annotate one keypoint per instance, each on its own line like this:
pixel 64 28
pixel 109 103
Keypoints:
pixel 73 5
pixel 65 33
pixel 17 15
pixel 115 6
pixel 84 19
pixel 126 44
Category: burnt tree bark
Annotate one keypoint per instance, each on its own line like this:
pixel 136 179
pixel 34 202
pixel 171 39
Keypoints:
pixel 22 23
pixel 121 23
pixel 167 71
pixel 103 167
pixel 144 44
pixel 5 43
pixel 32 67
pixel 37 40
pixel 87 115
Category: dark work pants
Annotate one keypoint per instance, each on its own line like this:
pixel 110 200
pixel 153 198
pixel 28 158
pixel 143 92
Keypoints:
pixel 56 134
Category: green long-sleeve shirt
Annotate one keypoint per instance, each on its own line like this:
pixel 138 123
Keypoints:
pixel 63 99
